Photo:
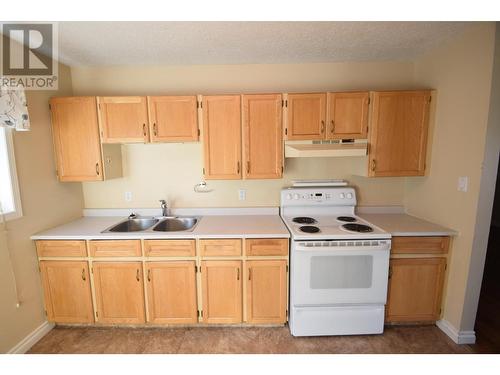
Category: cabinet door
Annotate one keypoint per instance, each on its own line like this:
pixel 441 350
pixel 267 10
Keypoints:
pixel 76 139
pixel 262 136
pixel 266 291
pixel 347 115
pixel 306 116
pixel 173 118
pixel 123 119
pixel 221 288
pixel 222 137
pixel 67 291
pixel 171 292
pixel 398 135
pixel 119 292
pixel 415 288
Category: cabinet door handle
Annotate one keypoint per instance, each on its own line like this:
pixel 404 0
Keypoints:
pixel 374 165
pixel 238 167
pixel 238 274
pixel 97 168
pixel 154 129
pixel 248 167
pixel 322 126
pixel 83 274
pixel 249 274
pixel 144 129
pixel 333 126
pixel 149 275
pixel 137 275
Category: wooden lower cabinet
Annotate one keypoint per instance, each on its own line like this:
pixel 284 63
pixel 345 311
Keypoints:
pixel 266 294
pixel 119 292
pixel 222 291
pixel 415 289
pixel 67 291
pixel 171 288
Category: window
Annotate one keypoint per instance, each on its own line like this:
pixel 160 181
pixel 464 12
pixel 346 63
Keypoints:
pixel 10 203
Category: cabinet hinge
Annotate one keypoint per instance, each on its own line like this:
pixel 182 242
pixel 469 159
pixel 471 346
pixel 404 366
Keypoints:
pixel 286 131
pixel 96 314
pixel 440 310
pixel 92 270
pixel 57 173
pixel 282 103
pixel 445 267
pixel 199 132
pixel 199 104
pixel 50 107
pixel 99 105
pixel 369 100
pixel 430 98
pixel 286 103
pixel 282 169
pixel 203 170
pixel 200 313
pixel 287 268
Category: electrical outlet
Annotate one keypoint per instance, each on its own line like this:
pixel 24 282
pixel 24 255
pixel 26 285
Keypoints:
pixel 463 184
pixel 242 194
pixel 128 196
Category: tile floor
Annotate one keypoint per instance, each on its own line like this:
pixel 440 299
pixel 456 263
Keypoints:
pixel 400 339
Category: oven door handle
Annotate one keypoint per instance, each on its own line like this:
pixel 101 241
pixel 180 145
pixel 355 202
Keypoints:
pixel 343 249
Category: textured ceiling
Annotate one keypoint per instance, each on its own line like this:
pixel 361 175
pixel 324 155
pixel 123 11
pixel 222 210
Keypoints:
pixel 179 43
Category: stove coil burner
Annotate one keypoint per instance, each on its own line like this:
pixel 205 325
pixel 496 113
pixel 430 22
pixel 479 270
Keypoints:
pixel 346 219
pixel 309 229
pixel 304 220
pixel 360 228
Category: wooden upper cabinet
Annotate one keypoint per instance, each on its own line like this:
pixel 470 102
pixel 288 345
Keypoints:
pixel 119 292
pixel 172 292
pixel 221 291
pixel 173 118
pixel 415 289
pixel 347 115
pixel 222 137
pixel 262 136
pixel 66 288
pixel 398 134
pixel 124 119
pixel 266 291
pixel 306 116
pixel 76 139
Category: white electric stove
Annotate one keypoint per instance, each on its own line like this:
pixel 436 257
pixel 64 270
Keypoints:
pixel 339 264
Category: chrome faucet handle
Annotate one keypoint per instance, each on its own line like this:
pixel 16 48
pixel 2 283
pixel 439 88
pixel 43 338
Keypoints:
pixel 164 208
pixel 133 215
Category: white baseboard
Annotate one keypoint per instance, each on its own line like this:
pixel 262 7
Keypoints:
pixel 459 337
pixel 25 344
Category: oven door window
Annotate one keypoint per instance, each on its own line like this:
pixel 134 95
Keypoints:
pixel 341 272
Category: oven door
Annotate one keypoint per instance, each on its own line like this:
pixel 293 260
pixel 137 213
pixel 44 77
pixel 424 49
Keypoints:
pixel 339 272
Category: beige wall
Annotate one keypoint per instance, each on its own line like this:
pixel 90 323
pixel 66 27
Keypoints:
pixel 152 172
pixel 461 73
pixel 46 203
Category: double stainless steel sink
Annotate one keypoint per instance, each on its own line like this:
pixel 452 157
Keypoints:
pixel 154 224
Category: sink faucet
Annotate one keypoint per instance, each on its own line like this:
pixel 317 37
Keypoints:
pixel 164 208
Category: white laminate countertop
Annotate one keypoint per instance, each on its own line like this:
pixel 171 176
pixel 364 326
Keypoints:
pixel 407 225
pixel 210 226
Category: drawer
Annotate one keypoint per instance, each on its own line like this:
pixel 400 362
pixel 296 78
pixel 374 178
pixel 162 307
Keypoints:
pixel 420 245
pixel 169 248
pixel 60 248
pixel 266 246
pixel 114 248
pixel 213 248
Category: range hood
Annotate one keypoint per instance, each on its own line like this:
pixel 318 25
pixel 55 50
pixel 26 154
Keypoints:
pixel 321 149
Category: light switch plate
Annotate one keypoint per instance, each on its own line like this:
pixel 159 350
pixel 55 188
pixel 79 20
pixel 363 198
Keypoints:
pixel 463 184
pixel 128 196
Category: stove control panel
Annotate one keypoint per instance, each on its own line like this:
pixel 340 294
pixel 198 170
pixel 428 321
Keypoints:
pixel 336 196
